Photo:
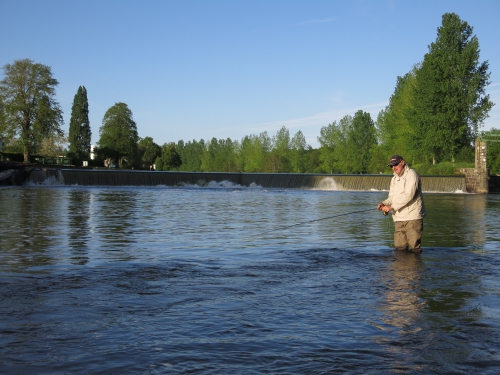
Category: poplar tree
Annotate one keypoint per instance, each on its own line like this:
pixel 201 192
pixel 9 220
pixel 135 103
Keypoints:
pixel 298 152
pixel 394 129
pixel 79 126
pixel 191 155
pixel 279 158
pixel 360 142
pixel 450 100
pixel 329 141
pixel 254 151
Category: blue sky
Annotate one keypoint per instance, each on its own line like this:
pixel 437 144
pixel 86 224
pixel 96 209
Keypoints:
pixel 192 69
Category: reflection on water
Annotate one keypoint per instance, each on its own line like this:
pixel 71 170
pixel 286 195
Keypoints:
pixel 461 218
pixel 155 280
pixel 403 304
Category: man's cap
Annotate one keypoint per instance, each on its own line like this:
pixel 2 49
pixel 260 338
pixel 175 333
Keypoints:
pixel 395 160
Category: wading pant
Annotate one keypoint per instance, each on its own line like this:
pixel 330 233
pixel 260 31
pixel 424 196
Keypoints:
pixel 407 235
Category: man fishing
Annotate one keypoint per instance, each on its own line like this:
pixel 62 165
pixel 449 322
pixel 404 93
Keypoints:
pixel 406 203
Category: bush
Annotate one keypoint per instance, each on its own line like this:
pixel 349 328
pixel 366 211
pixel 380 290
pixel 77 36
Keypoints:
pixel 441 169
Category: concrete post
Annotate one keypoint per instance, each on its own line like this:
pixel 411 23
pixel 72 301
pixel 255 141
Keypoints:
pixel 476 179
pixel 480 153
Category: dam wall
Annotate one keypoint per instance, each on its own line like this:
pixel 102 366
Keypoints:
pixel 89 177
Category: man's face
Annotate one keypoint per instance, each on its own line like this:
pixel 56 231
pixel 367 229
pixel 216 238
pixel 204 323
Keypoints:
pixel 398 168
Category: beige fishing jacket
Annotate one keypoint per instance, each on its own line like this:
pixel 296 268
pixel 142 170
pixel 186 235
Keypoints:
pixel 405 196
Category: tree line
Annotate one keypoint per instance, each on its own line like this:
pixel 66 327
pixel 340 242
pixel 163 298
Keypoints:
pixel 433 116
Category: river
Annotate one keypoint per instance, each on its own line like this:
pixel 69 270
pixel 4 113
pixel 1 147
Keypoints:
pixel 235 280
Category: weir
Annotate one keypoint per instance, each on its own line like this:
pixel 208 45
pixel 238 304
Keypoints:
pixel 87 177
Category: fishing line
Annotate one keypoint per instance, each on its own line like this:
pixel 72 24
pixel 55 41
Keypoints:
pixel 312 221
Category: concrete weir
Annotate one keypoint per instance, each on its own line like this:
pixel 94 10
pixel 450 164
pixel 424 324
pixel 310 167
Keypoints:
pixel 88 177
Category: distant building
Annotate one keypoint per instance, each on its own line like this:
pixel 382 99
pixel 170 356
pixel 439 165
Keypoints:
pixel 92 154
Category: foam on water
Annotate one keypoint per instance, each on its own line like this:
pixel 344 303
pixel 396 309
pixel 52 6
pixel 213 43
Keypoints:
pixel 221 185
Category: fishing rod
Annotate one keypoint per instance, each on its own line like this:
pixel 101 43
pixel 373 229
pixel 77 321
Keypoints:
pixel 322 218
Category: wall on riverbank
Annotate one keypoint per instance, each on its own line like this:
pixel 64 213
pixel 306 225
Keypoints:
pixel 476 180
pixel 88 177
pixel 494 184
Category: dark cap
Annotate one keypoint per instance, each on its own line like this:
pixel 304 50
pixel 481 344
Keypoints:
pixel 395 160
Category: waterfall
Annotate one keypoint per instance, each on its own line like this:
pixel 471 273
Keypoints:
pixel 89 177
pixel 444 184
pixel 45 177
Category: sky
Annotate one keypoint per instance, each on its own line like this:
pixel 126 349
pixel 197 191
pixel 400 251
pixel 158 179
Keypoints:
pixel 197 69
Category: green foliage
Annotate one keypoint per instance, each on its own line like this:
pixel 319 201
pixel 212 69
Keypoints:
pixel 313 162
pixel 450 101
pixel 220 156
pixel 118 135
pixel 348 146
pixel 191 155
pixel 29 109
pixel 148 151
pixel 253 152
pixel 298 153
pixel 378 161
pixel 80 133
pixel 493 154
pixel 466 155
pixel 360 142
pixel 278 160
pixel 170 160
pixel 394 131
pixel 53 145
pixel 4 130
pixel 329 139
pixel 13 146
pixel 442 169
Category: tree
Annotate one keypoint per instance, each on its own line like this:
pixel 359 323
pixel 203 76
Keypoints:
pixel 279 159
pixel 450 100
pixel 53 145
pixel 313 162
pixel 27 94
pixel 191 155
pixel 298 152
pixel 341 153
pixel 493 151
pixel 346 147
pixel 170 159
pixel 4 136
pixel 394 129
pixel 118 135
pixel 148 151
pixel 79 126
pixel 360 142
pixel 253 152
pixel 220 156
pixel 329 140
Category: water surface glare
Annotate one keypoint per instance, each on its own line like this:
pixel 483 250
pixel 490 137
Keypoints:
pixel 154 280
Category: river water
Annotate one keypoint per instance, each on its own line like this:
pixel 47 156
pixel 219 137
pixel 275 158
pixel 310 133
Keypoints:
pixel 232 280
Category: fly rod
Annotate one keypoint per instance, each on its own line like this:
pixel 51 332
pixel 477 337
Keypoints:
pixel 322 218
